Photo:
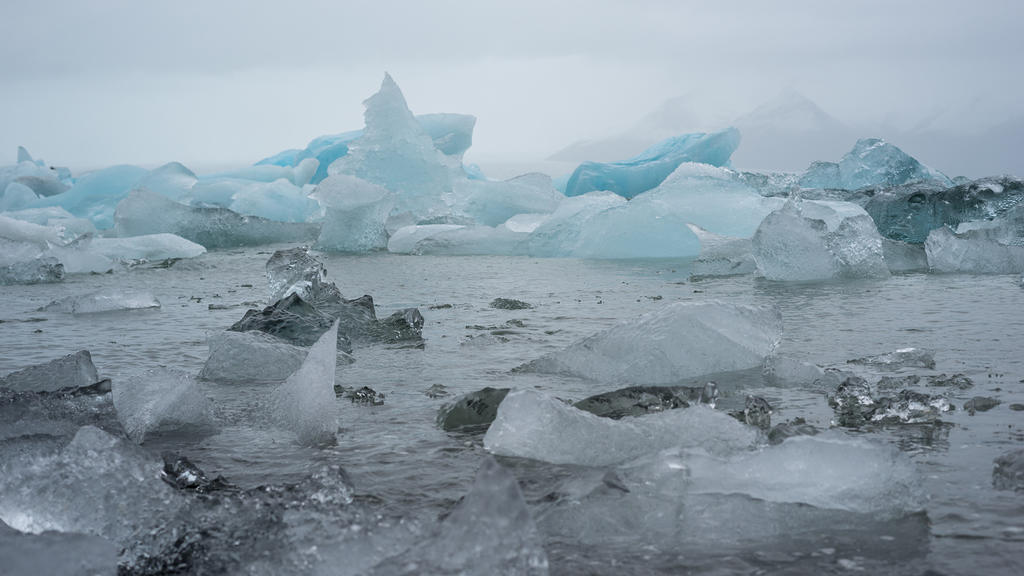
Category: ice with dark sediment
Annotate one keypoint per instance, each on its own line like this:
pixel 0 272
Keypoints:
pixel 856 403
pixel 680 340
pixel 871 162
pixel 71 371
pixel 56 553
pixel 292 320
pixel 160 399
pixel 305 402
pixel 533 425
pixel 817 240
pixel 909 213
pixel 642 400
pixel 143 212
pixel 899 359
pixel 105 300
pixel 647 170
pixel 489 532
pixel 356 212
pixel 98 484
pixel 473 411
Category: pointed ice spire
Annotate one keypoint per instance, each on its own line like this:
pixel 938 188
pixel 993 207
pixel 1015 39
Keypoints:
pixel 387 113
pixel 24 156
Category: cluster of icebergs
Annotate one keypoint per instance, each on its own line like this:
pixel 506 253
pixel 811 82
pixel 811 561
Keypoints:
pixel 400 185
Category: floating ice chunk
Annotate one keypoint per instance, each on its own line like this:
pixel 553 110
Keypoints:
pixel 899 359
pixel 356 211
pixel 43 270
pixel 722 255
pixel 489 532
pixel 147 247
pixel 871 162
pixel 96 195
pixel 406 239
pixel 299 175
pixel 678 341
pixel 395 152
pixel 98 484
pixel 16 196
pixel 825 471
pixel 279 200
pixel 973 252
pixel 159 399
pixel 144 212
pixel 56 554
pixel 72 371
pixel 559 234
pixel 172 180
pixel 250 356
pixel 492 203
pixel 67 225
pixel 901 257
pixel 532 425
pixel 106 300
pixel 647 170
pixel 295 271
pixel 305 402
pixel 818 240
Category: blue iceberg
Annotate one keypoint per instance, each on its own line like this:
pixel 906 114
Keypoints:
pixel 872 162
pixel 652 166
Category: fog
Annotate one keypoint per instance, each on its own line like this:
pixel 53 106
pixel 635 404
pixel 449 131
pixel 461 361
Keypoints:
pixel 103 82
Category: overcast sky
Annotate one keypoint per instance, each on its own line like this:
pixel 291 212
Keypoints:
pixel 97 82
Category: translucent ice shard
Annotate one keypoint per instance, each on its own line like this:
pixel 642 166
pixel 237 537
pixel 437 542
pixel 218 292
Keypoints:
pixel 159 399
pixel 825 471
pixel 305 402
pixel 532 425
pixel 973 252
pixel 71 371
pixel 294 271
pixel 292 320
pixel 647 170
pixel 250 356
pixel 143 212
pixel 489 532
pixel 871 162
pixel 98 484
pixel 356 212
pixel 106 300
pixel 678 341
pixel 395 152
pixel 818 240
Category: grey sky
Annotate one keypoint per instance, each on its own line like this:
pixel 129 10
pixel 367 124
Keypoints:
pixel 91 83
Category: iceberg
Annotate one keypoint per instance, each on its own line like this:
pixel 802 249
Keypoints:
pixel 973 252
pixel 647 170
pixel 69 372
pixel 721 255
pixel 16 196
pixel 395 152
pixel 558 235
pixel 818 240
pixel 532 425
pixel 148 247
pixel 457 240
pixel 299 174
pixel 304 403
pixel 96 195
pixel 280 200
pixel 98 484
pixel 406 240
pixel 490 531
pixel 871 162
pixel 106 300
pixel 679 341
pixel 493 203
pixel 643 400
pixel 159 399
pixel 356 213
pixel 143 212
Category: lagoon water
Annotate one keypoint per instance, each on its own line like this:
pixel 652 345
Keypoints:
pixel 404 467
